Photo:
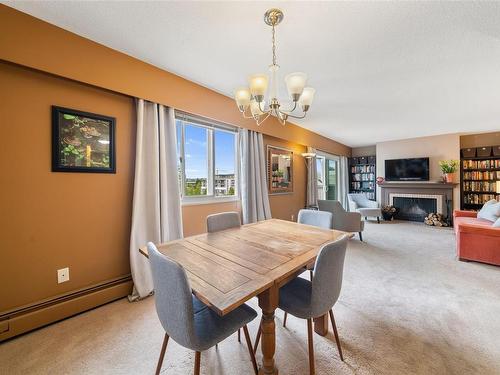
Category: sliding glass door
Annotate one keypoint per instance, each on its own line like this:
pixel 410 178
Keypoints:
pixel 327 171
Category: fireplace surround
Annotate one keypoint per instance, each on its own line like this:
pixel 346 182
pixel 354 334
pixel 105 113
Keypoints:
pixel 415 200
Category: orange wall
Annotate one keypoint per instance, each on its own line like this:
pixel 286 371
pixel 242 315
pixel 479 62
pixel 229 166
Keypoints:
pixel 54 220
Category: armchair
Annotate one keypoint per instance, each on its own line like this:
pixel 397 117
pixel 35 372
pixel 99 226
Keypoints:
pixel 343 220
pixel 367 208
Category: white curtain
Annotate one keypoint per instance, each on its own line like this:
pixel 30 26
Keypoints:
pixel 253 187
pixel 312 180
pixel 156 210
pixel 344 182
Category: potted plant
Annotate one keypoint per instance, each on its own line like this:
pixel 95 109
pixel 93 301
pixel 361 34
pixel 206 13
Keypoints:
pixel 388 212
pixel 448 167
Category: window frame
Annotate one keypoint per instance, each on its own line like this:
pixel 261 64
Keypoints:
pixel 325 157
pixel 210 126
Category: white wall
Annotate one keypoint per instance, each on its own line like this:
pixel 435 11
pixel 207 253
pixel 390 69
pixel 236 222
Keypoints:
pixel 436 148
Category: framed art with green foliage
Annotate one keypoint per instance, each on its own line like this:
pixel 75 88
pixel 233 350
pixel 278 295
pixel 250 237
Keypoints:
pixel 82 141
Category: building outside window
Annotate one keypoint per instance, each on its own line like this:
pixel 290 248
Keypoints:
pixel 207 159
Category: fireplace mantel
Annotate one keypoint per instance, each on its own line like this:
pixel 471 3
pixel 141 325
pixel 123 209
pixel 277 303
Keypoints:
pixel 418 185
pixel 426 189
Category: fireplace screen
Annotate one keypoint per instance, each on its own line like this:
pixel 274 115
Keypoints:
pixel 414 209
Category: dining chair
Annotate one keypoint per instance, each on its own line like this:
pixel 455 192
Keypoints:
pixel 311 299
pixel 197 330
pixel 222 221
pixel 321 219
pixel 317 218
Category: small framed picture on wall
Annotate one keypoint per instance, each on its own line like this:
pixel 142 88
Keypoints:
pixel 82 141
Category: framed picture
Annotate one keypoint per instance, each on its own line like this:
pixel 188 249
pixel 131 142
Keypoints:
pixel 279 170
pixel 82 141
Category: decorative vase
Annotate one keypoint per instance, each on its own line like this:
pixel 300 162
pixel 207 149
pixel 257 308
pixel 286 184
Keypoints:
pixel 448 178
pixel 388 216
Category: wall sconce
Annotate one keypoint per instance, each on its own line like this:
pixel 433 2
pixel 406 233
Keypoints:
pixel 309 155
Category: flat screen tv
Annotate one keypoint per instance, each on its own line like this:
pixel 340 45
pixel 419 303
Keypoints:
pixel 416 169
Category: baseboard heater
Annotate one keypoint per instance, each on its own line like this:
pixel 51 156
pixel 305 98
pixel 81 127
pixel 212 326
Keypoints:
pixel 26 318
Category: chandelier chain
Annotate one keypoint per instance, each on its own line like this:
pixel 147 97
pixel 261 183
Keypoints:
pixel 274 46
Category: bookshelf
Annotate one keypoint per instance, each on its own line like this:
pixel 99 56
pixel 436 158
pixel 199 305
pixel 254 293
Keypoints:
pixel 479 172
pixel 362 176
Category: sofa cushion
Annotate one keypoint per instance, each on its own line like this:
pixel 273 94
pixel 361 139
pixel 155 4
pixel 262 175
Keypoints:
pixel 490 211
pixel 478 226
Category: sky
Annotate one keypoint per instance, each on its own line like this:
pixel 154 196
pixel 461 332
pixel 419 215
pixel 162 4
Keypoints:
pixel 195 151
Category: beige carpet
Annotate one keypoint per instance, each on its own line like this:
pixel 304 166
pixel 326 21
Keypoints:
pixel 407 307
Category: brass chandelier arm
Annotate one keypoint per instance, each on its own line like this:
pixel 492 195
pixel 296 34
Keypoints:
pixel 293 116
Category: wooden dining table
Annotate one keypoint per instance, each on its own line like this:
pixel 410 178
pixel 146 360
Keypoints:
pixel 227 268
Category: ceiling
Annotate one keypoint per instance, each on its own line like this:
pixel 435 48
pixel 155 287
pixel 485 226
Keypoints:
pixel 382 70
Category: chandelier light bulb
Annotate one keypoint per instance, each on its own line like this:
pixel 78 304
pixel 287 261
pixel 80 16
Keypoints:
pixel 306 98
pixel 295 83
pixel 258 86
pixel 242 96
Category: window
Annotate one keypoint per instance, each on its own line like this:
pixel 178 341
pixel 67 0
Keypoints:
pixel 207 161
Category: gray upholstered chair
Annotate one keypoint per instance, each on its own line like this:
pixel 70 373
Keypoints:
pixel 311 299
pixel 358 202
pixel 224 220
pixel 317 218
pixel 195 327
pixel 343 220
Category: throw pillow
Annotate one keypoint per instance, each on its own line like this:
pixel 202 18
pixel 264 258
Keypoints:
pixel 496 224
pixel 490 211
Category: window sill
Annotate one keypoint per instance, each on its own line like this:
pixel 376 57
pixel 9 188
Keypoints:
pixel 194 201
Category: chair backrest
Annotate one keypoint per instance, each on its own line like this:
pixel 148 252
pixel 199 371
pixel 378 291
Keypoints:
pixel 360 199
pixel 327 277
pixel 174 304
pixel 224 220
pixel 317 218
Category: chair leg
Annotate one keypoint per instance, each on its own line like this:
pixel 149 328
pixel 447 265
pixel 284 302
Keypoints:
pixel 366 218
pixel 197 362
pixel 257 339
pixel 311 347
pixel 239 335
pixel 250 350
pixel 336 335
pixel 360 236
pixel 284 319
pixel 311 274
pixel 378 220
pixel 162 354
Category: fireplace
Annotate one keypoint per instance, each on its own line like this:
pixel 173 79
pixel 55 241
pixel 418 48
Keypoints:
pixel 415 199
pixel 414 208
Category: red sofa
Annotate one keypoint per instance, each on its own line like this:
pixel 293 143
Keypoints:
pixel 477 240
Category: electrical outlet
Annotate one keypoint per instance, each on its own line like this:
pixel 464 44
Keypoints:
pixel 63 275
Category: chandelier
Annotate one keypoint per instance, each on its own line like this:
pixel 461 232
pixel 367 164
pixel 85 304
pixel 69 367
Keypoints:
pixel 253 98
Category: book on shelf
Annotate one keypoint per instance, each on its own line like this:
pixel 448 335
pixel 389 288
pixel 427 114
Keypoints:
pixel 363 169
pixel 482 186
pixel 363 185
pixel 478 198
pixel 363 176
pixel 481 164
pixel 478 175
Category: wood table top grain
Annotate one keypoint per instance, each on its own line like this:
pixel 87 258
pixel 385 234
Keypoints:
pixel 227 268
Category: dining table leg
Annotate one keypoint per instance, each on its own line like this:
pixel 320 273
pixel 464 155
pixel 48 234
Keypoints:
pixel 321 325
pixel 268 302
